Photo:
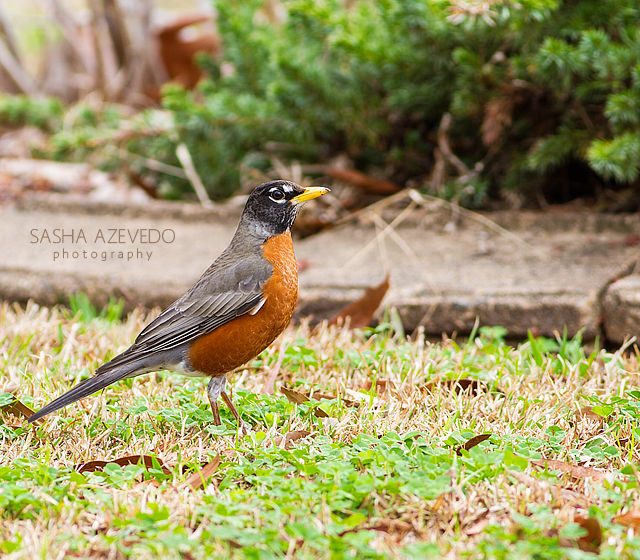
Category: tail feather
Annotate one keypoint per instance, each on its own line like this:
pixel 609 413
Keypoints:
pixel 84 389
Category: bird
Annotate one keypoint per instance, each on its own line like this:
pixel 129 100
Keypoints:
pixel 235 310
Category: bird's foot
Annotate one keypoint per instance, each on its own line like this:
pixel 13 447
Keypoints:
pixel 242 425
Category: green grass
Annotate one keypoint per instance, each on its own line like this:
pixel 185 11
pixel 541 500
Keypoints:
pixel 388 478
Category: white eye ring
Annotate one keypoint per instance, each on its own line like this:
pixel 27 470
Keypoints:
pixel 277 196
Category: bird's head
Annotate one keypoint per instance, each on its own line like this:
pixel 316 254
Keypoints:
pixel 273 206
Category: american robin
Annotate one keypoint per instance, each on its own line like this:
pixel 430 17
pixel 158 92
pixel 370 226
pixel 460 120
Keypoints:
pixel 241 303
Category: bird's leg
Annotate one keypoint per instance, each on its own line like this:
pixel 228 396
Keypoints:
pixel 241 423
pixel 216 413
pixel 215 387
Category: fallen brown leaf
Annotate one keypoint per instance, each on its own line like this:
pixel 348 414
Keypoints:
pixel 17 408
pixel 564 494
pixel 363 181
pixel 395 527
pixel 290 438
pixel 390 526
pixel 198 479
pixel 297 397
pixel 382 385
pixel 591 541
pixel 146 460
pixel 575 471
pixel 630 519
pixel 363 309
pixel 325 396
pixel 475 440
pixel 586 413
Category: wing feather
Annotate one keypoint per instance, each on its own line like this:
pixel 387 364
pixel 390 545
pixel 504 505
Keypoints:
pixel 224 292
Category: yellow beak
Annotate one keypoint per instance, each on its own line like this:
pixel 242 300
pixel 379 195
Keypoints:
pixel 309 194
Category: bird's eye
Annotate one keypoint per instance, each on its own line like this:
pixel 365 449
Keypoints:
pixel 276 195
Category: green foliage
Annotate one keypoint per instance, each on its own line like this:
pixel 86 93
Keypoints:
pixel 326 80
pixel 618 158
pixel 541 91
pixel 84 310
pixel 361 484
pixel 21 110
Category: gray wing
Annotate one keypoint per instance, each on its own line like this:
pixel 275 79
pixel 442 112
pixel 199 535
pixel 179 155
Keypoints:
pixel 224 292
pixel 229 288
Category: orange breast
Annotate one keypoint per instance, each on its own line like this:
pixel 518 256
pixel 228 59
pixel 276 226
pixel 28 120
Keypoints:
pixel 242 339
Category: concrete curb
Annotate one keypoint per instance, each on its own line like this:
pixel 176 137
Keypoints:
pixel 621 306
pixel 547 272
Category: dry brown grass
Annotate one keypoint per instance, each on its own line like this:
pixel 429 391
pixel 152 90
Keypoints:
pixel 521 403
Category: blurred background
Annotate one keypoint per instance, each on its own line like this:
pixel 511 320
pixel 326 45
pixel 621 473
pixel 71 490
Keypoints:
pixel 490 104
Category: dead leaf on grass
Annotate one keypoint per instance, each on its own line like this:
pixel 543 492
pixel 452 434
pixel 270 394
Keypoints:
pixel 362 310
pixel 575 471
pixel 587 543
pixel 630 519
pixel 298 397
pixel 559 492
pixel 327 397
pixel 475 440
pixel 593 539
pixel 587 413
pixel 395 527
pixel 382 385
pixel 198 479
pixel 478 525
pixel 290 438
pixel 146 460
pixel 17 408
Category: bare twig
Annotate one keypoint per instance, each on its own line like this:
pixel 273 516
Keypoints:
pixel 154 164
pixel 97 18
pixel 128 60
pixel 490 224
pixel 377 206
pixel 7 35
pixel 141 48
pixel 122 135
pixel 388 230
pixel 425 201
pixel 117 32
pixel 15 71
pixel 69 28
pixel 394 235
pixel 190 170
pixel 445 149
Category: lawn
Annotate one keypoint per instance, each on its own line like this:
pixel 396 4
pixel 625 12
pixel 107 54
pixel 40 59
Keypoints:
pixel 532 453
